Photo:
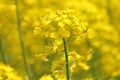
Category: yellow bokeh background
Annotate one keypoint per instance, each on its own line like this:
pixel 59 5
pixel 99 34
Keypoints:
pixel 93 55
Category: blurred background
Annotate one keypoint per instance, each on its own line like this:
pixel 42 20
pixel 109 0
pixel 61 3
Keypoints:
pixel 102 16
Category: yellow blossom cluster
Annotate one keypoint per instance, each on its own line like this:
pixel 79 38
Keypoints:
pixel 58 24
pixel 8 73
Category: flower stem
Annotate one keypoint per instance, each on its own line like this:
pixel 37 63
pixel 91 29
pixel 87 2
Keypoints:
pixel 109 11
pixel 66 58
pixel 4 55
pixel 28 71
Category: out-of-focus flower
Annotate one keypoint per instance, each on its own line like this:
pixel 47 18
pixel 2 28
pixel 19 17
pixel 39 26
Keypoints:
pixel 46 77
pixel 8 73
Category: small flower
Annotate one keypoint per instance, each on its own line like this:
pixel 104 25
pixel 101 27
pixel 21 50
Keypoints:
pixel 46 77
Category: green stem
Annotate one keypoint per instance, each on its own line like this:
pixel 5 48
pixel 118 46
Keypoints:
pixel 109 11
pixel 28 71
pixel 4 56
pixel 66 58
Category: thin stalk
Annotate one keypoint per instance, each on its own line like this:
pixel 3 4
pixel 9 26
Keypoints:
pixel 109 11
pixel 66 58
pixel 28 71
pixel 4 56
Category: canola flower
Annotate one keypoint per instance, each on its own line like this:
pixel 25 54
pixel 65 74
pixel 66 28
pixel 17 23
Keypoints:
pixel 57 26
pixel 46 77
pixel 8 73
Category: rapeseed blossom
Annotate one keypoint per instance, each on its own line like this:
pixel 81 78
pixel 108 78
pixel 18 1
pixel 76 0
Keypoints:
pixel 58 24
pixel 8 73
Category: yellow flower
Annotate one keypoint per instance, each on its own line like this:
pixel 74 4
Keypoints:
pixel 6 72
pixel 46 77
pixel 84 66
pixel 90 33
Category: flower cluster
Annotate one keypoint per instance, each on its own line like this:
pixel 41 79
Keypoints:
pixel 55 25
pixel 8 73
pixel 68 24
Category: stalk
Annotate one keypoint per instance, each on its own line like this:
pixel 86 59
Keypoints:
pixel 66 58
pixel 4 56
pixel 109 10
pixel 26 65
